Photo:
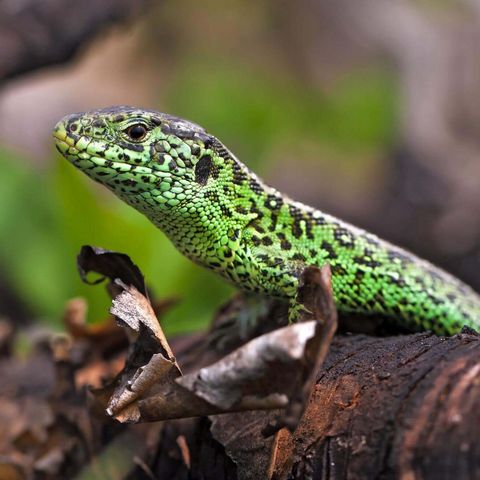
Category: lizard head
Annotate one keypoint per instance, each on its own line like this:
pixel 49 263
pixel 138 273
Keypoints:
pixel 171 170
pixel 155 162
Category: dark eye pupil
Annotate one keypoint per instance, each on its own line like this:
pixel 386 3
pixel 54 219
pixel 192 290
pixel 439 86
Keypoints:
pixel 136 132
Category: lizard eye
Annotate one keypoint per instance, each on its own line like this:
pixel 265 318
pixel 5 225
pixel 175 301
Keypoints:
pixel 136 132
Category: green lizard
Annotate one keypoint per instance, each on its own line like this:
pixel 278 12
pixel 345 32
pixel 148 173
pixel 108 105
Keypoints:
pixel 222 216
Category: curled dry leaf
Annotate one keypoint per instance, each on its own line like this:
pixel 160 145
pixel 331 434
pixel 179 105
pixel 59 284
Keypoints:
pixel 150 362
pixel 263 374
pixel 273 371
pixel 110 265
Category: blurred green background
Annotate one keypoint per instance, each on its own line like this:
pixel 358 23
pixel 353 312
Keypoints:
pixel 315 102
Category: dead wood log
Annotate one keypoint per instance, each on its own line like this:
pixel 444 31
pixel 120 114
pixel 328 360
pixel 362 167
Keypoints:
pixel 396 407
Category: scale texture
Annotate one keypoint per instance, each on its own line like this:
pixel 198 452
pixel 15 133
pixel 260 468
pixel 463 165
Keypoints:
pixel 222 216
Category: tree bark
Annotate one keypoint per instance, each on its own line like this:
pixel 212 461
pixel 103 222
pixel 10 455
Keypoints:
pixel 396 407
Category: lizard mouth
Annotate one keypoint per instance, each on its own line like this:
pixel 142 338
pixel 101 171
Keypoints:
pixel 60 133
pixel 68 143
pixel 62 141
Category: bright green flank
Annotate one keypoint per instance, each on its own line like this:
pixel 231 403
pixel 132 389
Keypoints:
pixel 222 216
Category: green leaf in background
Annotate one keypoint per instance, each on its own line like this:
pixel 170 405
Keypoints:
pixel 251 111
pixel 31 254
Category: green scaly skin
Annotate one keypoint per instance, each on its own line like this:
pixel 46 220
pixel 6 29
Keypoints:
pixel 222 216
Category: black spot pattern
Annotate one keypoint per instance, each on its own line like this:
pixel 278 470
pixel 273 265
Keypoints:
pixel 203 169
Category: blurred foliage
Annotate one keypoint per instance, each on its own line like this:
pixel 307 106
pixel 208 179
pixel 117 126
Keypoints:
pixel 256 109
pixel 46 216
